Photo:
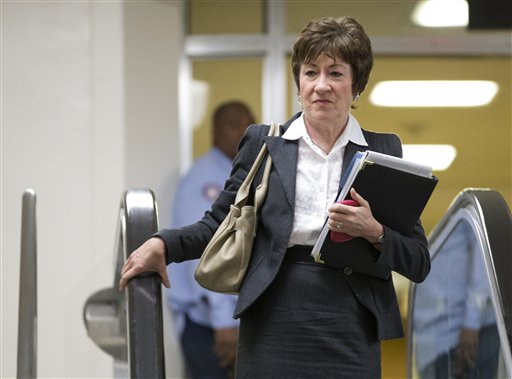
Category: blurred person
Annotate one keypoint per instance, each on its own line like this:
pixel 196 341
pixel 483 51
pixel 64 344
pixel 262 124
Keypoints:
pixel 204 319
pixel 299 318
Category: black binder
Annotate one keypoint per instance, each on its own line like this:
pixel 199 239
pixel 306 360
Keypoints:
pixel 397 191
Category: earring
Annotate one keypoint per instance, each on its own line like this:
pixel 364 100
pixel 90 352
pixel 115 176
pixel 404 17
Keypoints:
pixel 299 99
pixel 356 97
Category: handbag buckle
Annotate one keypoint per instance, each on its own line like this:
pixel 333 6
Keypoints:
pixel 318 259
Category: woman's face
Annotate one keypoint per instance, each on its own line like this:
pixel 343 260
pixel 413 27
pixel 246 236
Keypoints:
pixel 326 90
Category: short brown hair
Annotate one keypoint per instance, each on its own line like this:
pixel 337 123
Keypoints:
pixel 341 38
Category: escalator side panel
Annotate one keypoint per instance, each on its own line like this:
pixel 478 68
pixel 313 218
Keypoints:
pixel 459 318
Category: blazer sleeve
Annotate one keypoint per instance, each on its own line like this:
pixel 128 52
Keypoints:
pixel 190 241
pixel 406 254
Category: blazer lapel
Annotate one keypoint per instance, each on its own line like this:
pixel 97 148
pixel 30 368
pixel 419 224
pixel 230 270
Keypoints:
pixel 350 150
pixel 284 155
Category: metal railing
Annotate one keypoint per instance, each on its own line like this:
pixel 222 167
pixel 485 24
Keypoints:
pixel 128 325
pixel 27 307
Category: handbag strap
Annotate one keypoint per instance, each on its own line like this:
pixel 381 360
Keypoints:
pixel 261 190
pixel 243 191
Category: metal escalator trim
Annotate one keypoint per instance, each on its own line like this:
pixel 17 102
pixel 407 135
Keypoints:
pixel 144 303
pixel 128 325
pixel 27 308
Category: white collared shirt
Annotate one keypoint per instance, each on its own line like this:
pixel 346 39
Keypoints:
pixel 318 178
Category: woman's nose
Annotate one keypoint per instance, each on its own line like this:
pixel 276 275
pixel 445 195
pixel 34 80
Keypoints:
pixel 322 84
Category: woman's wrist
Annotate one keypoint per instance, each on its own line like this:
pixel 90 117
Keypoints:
pixel 377 236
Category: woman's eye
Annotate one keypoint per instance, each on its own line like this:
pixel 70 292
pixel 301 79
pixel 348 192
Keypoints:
pixel 336 74
pixel 310 73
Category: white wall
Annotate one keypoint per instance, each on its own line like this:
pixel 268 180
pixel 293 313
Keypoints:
pixel 153 45
pixel 89 108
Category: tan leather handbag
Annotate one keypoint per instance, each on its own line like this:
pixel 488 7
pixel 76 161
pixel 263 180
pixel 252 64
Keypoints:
pixel 224 262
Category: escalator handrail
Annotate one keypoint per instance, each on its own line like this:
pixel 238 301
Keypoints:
pixel 491 212
pixel 138 221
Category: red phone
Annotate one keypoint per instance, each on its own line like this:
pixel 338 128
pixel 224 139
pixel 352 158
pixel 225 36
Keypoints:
pixel 340 236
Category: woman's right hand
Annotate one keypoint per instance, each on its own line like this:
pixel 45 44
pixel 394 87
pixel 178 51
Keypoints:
pixel 150 256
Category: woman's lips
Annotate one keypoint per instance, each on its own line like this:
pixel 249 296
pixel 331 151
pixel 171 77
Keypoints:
pixel 321 101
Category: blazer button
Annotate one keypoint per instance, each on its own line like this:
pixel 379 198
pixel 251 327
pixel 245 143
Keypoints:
pixel 347 271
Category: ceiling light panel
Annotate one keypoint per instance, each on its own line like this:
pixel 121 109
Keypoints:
pixel 441 13
pixel 433 93
pixel 439 157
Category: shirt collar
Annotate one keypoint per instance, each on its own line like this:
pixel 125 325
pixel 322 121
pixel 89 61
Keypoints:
pixel 352 132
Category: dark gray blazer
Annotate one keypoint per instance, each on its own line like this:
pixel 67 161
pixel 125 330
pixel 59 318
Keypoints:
pixel 407 255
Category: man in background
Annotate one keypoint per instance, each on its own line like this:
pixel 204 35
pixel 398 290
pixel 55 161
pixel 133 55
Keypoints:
pixel 204 319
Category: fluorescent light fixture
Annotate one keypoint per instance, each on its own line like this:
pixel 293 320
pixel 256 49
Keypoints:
pixel 439 157
pixel 441 13
pixel 433 93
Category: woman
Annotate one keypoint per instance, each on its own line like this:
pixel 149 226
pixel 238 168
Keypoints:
pixel 299 318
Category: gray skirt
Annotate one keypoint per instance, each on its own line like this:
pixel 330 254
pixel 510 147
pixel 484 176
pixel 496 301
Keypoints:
pixel 308 324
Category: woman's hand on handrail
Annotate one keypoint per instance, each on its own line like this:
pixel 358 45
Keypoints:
pixel 150 256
